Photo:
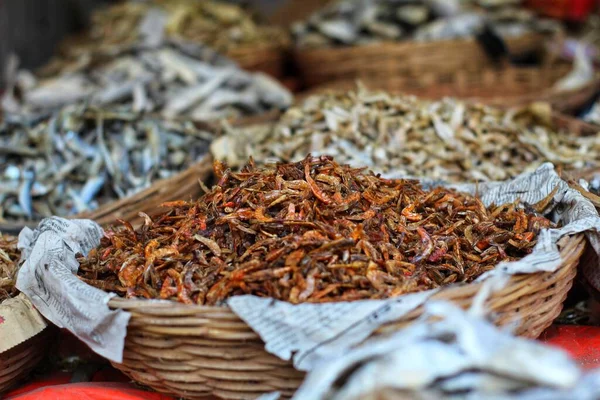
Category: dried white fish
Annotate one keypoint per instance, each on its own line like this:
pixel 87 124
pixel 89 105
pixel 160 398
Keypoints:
pixel 402 136
pixel 413 14
pixel 358 22
pixel 173 79
pixel 84 157
pixel 218 24
pixel 340 30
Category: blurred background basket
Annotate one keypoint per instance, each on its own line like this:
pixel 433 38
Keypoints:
pixel 17 363
pixel 267 59
pixel 458 68
pixel 506 87
pixel 392 59
pixel 197 351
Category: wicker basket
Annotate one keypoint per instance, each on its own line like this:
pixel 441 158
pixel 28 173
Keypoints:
pixel 268 59
pixel 196 351
pixel 458 68
pixel 184 185
pixel 507 87
pixel 19 361
pixel 391 59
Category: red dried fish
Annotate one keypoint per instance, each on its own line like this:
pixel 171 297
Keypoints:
pixel 312 231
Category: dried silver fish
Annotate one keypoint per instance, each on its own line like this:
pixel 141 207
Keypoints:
pixel 83 157
pixel 402 136
pixel 219 25
pixel 355 22
pixel 175 79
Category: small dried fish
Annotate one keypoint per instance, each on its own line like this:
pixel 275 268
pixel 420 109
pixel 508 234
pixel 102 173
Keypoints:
pixel 312 231
pixel 83 157
pixel 174 79
pixel 9 266
pixel 402 136
pixel 219 25
pixel 356 22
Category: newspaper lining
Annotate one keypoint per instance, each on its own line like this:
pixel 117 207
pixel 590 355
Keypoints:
pixel 458 353
pixel 48 277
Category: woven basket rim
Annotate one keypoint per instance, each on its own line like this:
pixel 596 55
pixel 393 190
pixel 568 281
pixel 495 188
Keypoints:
pixel 252 48
pixel 532 96
pixel 199 351
pixel 176 307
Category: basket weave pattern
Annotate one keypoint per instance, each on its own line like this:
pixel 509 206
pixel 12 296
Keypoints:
pixel 196 351
pixel 508 87
pixel 267 59
pixel 182 186
pixel 18 362
pixel 391 59
pixel 458 68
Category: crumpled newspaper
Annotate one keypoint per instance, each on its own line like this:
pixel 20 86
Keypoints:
pixel 49 278
pixel 457 355
pixel 308 333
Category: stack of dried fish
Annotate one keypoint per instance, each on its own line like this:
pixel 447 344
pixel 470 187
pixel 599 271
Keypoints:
pixel 219 25
pixel 9 260
pixel 83 157
pixel 357 22
pixel 312 231
pixel 403 136
pixel 175 78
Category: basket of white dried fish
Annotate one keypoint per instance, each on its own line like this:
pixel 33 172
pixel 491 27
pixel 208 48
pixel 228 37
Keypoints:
pixel 430 49
pixel 404 136
pixel 99 164
pixel 227 28
pixel 173 79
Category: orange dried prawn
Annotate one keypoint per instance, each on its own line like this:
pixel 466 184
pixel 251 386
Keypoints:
pixel 312 231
